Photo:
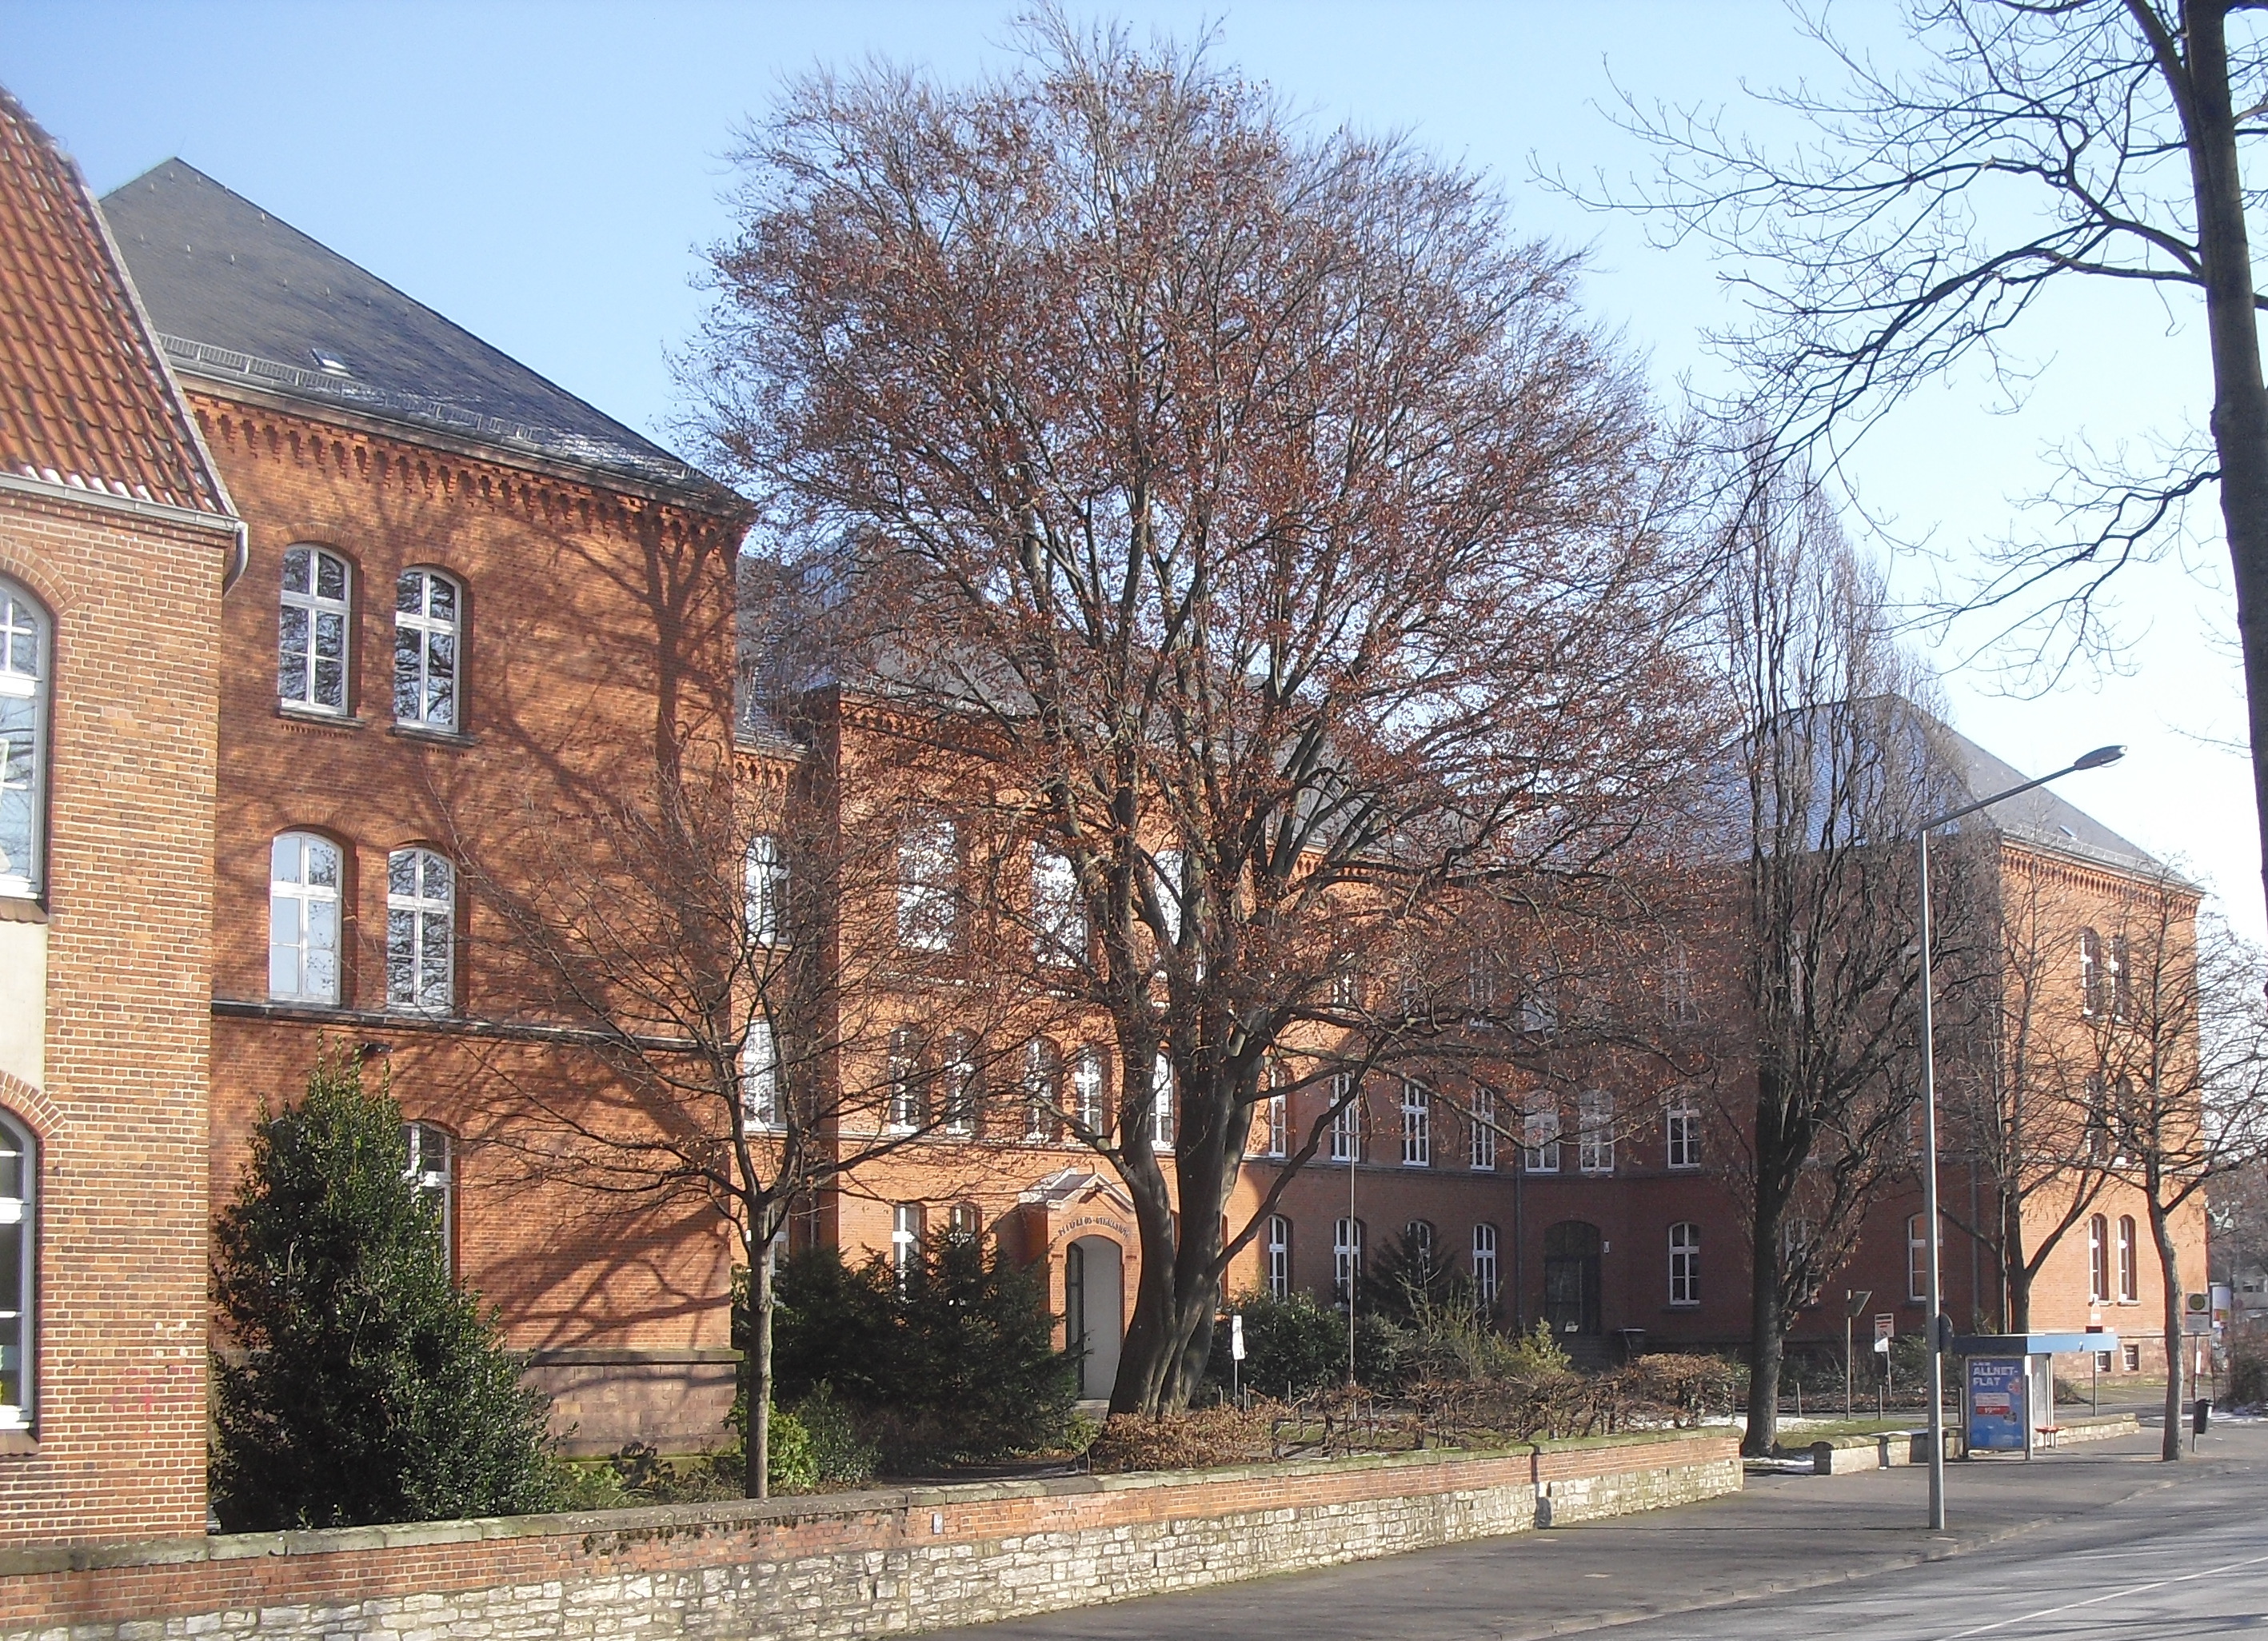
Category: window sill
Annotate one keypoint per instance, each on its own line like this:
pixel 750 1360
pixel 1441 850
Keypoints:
pixel 431 737
pixel 305 717
pixel 18 1444
pixel 1683 1305
pixel 21 909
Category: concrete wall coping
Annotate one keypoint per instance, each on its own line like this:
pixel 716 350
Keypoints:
pixel 698 1521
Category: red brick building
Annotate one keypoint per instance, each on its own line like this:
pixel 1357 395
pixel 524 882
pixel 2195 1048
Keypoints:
pixel 116 539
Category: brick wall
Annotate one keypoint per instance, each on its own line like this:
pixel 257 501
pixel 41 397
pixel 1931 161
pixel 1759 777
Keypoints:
pixel 117 1449
pixel 861 1565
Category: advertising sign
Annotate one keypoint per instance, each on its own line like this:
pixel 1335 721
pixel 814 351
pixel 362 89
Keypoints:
pixel 1997 1398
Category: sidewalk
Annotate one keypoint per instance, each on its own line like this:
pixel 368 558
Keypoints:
pixel 1784 1532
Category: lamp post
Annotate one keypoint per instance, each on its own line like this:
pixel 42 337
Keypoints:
pixel 2095 760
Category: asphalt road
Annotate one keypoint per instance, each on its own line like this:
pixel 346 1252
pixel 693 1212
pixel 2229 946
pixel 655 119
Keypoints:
pixel 2099 1540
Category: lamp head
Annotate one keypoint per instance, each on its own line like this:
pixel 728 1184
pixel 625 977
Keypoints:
pixel 2100 757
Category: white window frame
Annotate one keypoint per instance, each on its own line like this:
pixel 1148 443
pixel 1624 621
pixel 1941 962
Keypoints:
pixel 1678 1005
pixel 904 1094
pixel 2098 1259
pixel 958 1087
pixel 765 886
pixel 317 909
pixel 1416 1125
pixel 2090 973
pixel 1488 1283
pixel 1161 1103
pixel 909 1224
pixel 1277 1131
pixel 1346 1258
pixel 19 1196
pixel 964 1222
pixel 929 884
pixel 2128 1275
pixel 2121 979
pixel 427 646
pixel 759 1074
pixel 1346 1122
pixel 432 1174
pixel 1278 1265
pixel 1681 1133
pixel 313 608
pixel 1482 1155
pixel 413 918
pixel 1916 1259
pixel 1684 1263
pixel 1090 1092
pixel 1594 1138
pixel 27 661
pixel 1059 934
pixel 1539 1004
pixel 1541 1143
pixel 1169 870
pixel 1042 1091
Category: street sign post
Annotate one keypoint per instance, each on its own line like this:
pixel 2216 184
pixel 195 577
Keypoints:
pixel 1235 1354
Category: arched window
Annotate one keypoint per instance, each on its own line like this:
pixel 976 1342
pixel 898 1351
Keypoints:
pixel 1088 1094
pixel 1487 1284
pixel 964 1222
pixel 2098 1259
pixel 428 649
pixel 1161 1103
pixel 1685 1263
pixel 1279 1257
pixel 1484 1128
pixel 1346 1259
pixel 929 884
pixel 1276 1113
pixel 906 1096
pixel 1058 916
pixel 1417 1126
pixel 1595 1143
pixel 432 1175
pixel 421 931
pixel 27 650
pixel 759 1074
pixel 908 1225
pixel 1346 1119
pixel 1541 1137
pixel 311 631
pixel 2129 1282
pixel 961 1079
pixel 1417 1239
pixel 19 1172
pixel 304 877
pixel 1043 1091
pixel 2090 972
pixel 1682 1125
pixel 766 889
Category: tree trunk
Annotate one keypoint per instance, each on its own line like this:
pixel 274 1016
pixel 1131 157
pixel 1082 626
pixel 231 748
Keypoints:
pixel 1767 1339
pixel 2240 399
pixel 756 1480
pixel 2161 1232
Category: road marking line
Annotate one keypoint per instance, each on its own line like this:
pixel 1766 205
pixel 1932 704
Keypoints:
pixel 2093 1601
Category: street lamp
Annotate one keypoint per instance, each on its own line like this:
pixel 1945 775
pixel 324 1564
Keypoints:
pixel 2095 760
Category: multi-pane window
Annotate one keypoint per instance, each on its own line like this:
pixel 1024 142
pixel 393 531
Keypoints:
pixel 957 1074
pixel 1058 915
pixel 1277 1246
pixel 1276 1131
pixel 1594 1140
pixel 2090 972
pixel 929 884
pixel 1539 1004
pixel 904 1074
pixel 421 930
pixel 19 1273
pixel 304 875
pixel 766 889
pixel 311 631
pixel 1683 1124
pixel 1418 1240
pixel 2122 980
pixel 964 1222
pixel 2129 1286
pixel 2098 1120
pixel 907 1226
pixel 1042 1091
pixel 428 627
pixel 1685 1263
pixel 2098 1259
pixel 759 1074
pixel 1087 1092
pixel 1346 1119
pixel 24 660
pixel 430 1175
pixel 1487 1284
pixel 1166 872
pixel 1346 1259
pixel 1484 1130
pixel 1417 1126
pixel 1917 1257
pixel 1161 1102
pixel 1678 1005
pixel 1540 1143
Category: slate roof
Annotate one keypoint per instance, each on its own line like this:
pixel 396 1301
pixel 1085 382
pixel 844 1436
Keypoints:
pixel 239 297
pixel 2040 817
pixel 85 399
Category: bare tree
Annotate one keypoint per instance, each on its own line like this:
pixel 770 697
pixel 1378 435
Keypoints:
pixel 1925 222
pixel 727 949
pixel 1835 768
pixel 1267 522
pixel 2179 1030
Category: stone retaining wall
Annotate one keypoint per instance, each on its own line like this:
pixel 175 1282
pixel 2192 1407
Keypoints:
pixel 841 1566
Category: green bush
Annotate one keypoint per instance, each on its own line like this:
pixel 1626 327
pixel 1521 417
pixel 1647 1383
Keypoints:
pixel 841 1454
pixel 1410 1280
pixel 789 1460
pixel 2248 1374
pixel 1294 1347
pixel 363 1386
pixel 954 1364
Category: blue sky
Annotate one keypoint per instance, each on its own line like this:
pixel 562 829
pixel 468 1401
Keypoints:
pixel 547 174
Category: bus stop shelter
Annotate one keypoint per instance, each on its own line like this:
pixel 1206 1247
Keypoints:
pixel 2007 1386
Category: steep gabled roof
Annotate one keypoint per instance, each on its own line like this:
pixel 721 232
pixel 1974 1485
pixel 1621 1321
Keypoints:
pixel 241 297
pixel 85 399
pixel 2040 817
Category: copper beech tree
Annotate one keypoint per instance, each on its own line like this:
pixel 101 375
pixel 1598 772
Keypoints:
pixel 1276 546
